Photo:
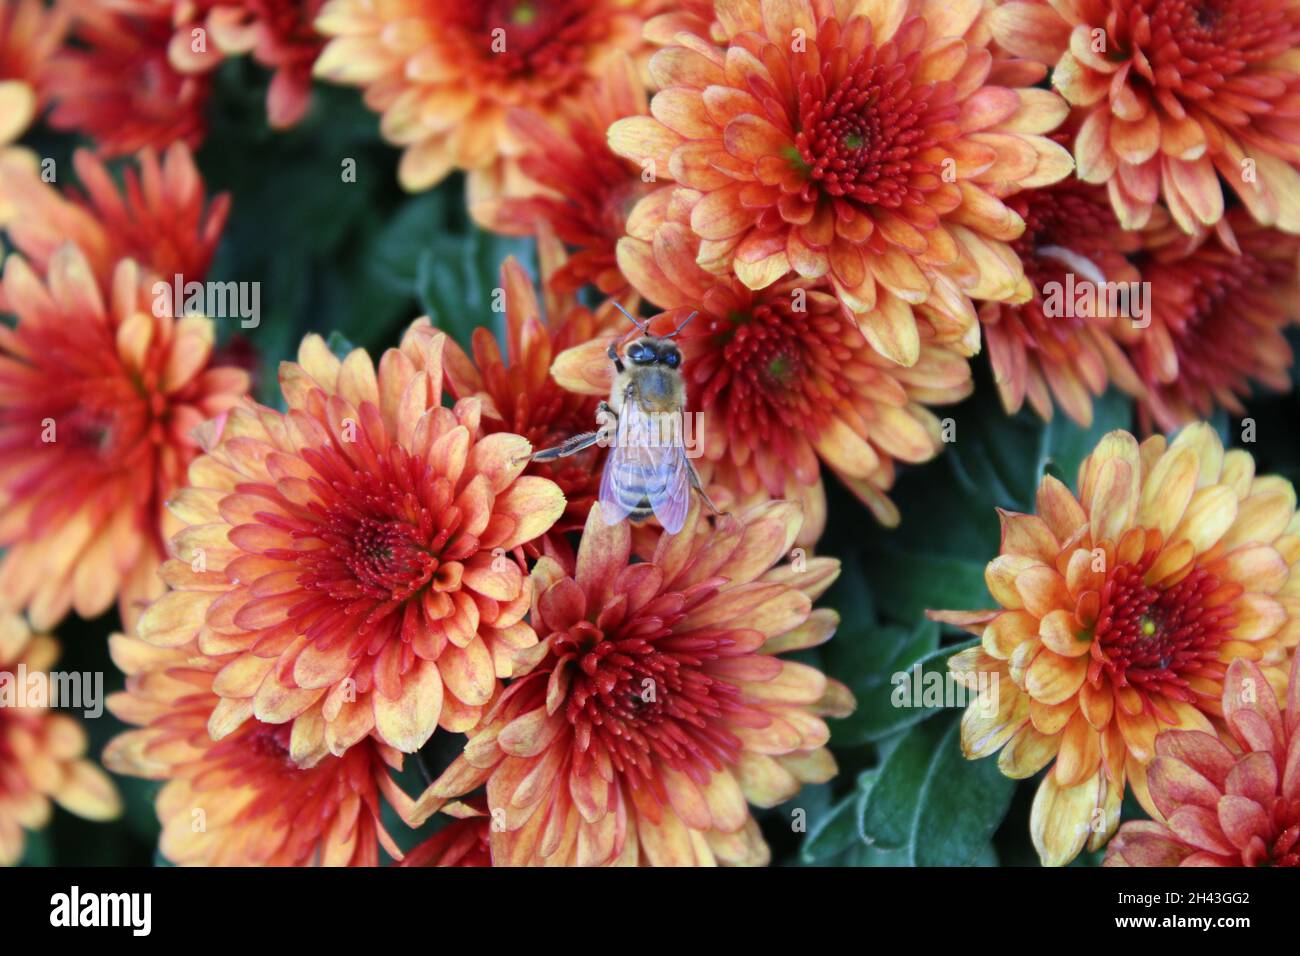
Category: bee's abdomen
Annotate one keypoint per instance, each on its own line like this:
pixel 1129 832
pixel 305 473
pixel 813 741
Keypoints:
pixel 633 492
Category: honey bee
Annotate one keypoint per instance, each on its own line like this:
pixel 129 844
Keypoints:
pixel 647 471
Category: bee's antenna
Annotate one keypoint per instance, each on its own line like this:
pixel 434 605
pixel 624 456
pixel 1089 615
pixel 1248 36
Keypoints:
pixel 631 318
pixel 683 325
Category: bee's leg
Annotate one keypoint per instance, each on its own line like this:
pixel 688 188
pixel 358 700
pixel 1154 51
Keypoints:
pixel 612 352
pixel 564 449
pixel 694 479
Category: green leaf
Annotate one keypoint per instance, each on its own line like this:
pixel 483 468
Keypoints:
pixel 959 807
pixel 457 278
pixel 879 713
pixel 890 808
pixel 834 832
pixel 932 802
pixel 918 582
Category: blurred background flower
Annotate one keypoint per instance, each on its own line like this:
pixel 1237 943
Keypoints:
pixel 42 753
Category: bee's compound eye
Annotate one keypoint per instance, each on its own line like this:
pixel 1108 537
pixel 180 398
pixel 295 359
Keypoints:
pixel 638 353
pixel 673 359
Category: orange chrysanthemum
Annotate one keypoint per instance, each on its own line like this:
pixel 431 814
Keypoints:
pixel 30 33
pixel 783 380
pixel 1043 350
pixel 1122 610
pixel 42 754
pixel 1171 91
pixel 656 708
pixel 117 87
pixel 587 192
pixel 241 800
pixel 354 555
pixel 863 144
pixel 518 393
pixel 279 34
pixel 99 393
pixel 1221 806
pixel 445 74
pixel 1218 318
pixel 161 217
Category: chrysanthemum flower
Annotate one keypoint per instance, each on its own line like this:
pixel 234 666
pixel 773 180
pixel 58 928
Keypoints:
pixel 1221 806
pixel 864 144
pixel 1169 92
pixel 161 216
pixel 29 35
pixel 99 394
pixel 354 555
pixel 117 87
pixel 783 380
pixel 656 708
pixel 278 34
pixel 241 800
pixel 1122 611
pixel 519 395
pixel 42 754
pixel 1218 318
pixel 586 192
pixel 1044 350
pixel 445 73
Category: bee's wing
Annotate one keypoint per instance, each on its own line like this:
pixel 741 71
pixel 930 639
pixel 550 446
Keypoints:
pixel 646 463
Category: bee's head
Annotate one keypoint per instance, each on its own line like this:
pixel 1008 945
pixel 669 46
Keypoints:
pixel 649 350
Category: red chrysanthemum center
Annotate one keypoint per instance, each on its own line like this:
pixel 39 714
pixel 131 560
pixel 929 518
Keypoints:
pixel 1215 305
pixel 642 695
pixel 1073 217
pixel 540 40
pixel 371 541
pixel 1285 850
pixel 386 557
pixel 1158 640
pixel 770 370
pixel 862 130
pixel 289 21
pixel 270 744
pixel 1195 47
pixel 307 799
pixel 96 432
pixel 122 89
pixel 1068 230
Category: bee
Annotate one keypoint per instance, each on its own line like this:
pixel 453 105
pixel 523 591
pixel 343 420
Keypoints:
pixel 647 471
